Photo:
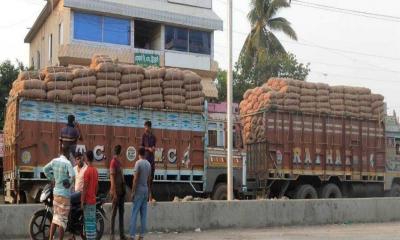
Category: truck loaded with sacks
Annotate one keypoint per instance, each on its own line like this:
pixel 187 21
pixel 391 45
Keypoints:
pixel 111 102
pixel 312 140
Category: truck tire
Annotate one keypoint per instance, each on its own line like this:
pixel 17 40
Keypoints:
pixel 305 191
pixel 330 190
pixel 394 191
pixel 220 192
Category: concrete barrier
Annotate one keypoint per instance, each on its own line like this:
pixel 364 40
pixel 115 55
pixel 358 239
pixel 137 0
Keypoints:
pixel 14 220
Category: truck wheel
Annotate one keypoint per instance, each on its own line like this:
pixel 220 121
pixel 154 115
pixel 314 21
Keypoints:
pixel 330 190
pixel 306 191
pixel 220 192
pixel 394 191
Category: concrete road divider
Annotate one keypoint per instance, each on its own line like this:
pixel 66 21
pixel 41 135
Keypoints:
pixel 188 216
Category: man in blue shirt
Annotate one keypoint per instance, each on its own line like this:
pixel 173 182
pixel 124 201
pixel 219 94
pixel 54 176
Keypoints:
pixel 61 173
pixel 70 135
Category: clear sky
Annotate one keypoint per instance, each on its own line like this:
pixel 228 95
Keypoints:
pixel 342 48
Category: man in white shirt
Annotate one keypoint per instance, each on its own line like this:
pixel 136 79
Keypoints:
pixel 79 170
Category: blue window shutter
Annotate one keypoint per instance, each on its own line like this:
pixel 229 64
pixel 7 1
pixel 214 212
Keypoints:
pixel 87 27
pixel 117 31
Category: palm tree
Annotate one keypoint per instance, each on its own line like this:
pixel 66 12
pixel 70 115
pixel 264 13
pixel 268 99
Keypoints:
pixel 261 44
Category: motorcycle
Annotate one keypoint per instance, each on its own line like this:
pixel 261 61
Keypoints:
pixel 39 227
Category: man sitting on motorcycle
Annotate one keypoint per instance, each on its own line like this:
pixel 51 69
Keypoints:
pixel 61 173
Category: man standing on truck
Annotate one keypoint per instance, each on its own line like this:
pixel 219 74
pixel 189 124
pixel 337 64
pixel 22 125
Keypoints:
pixel 60 171
pixel 117 192
pixel 149 144
pixel 70 135
pixel 140 194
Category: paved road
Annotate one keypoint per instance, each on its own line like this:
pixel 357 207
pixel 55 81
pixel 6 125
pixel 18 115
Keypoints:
pixel 384 231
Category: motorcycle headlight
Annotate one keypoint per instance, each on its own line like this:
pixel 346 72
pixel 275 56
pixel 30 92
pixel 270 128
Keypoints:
pixel 43 197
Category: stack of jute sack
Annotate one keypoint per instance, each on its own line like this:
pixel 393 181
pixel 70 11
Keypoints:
pixel 351 102
pixel 194 92
pixel 322 98
pixel 129 89
pixel 364 102
pixel 29 85
pixel 108 76
pixel 151 88
pixel 58 81
pixel 289 90
pixel 308 95
pixel 377 105
pixel 174 93
pixel 336 100
pixel 84 85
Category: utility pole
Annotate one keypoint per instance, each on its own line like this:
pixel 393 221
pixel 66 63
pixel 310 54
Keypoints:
pixel 229 106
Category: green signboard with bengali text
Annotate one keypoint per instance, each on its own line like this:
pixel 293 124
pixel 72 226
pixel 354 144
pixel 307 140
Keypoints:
pixel 147 59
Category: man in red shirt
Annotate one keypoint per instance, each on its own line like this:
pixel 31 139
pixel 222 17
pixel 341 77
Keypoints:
pixel 88 197
pixel 117 192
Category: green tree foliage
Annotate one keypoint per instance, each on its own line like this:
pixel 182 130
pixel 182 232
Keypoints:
pixel 8 73
pixel 239 86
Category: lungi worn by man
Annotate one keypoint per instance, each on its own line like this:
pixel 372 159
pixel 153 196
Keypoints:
pixel 60 171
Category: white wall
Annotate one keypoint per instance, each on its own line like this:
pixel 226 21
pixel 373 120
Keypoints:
pixel 187 60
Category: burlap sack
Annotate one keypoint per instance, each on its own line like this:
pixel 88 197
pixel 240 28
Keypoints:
pixel 306 98
pixel 337 113
pixel 60 76
pixel 308 104
pixel 27 75
pixel 108 83
pixel 55 69
pixel 322 92
pixel 108 67
pixel 174 98
pixel 59 95
pixel 290 89
pixel 191 79
pixel 364 97
pixel 353 97
pixel 151 90
pixel 85 81
pixel 325 105
pixel 33 94
pixel 323 110
pixel 194 94
pixel 307 110
pixel 322 98
pixel 377 104
pixel 247 93
pixel 175 106
pixel 308 91
pixel 291 108
pixel 129 95
pixel 131 102
pixel 363 91
pixel 83 72
pixel 193 87
pixel 62 85
pixel 156 82
pixel 129 87
pixel 351 103
pixel 288 95
pixel 106 91
pixel 173 84
pixel 156 105
pixel 132 78
pixel 195 101
pixel 173 74
pixel 337 89
pixel 291 102
pixel 84 90
pixel 28 84
pixel 336 101
pixel 109 75
pixel 108 100
pixel 376 97
pixel 131 69
pixel 351 109
pixel 151 73
pixel 336 96
pixel 99 58
pixel 322 86
pixel 365 103
pixel 309 85
pixel 195 108
pixel 365 109
pixel 175 91
pixel 153 98
pixel 84 98
pixel 337 107
pixel 366 115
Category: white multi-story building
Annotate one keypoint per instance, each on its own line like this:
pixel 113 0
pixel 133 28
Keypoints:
pixel 167 33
